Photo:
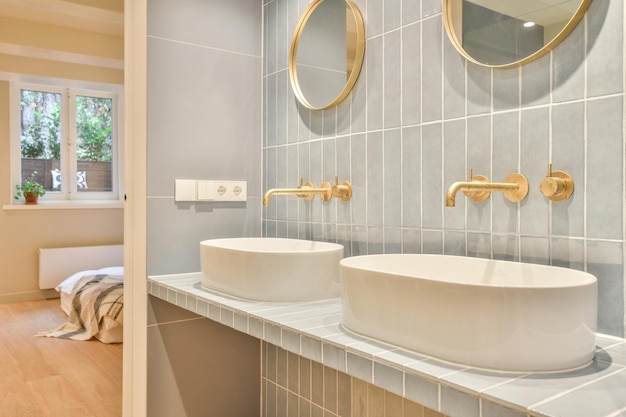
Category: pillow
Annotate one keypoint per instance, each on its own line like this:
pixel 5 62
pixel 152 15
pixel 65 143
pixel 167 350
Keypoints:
pixel 68 284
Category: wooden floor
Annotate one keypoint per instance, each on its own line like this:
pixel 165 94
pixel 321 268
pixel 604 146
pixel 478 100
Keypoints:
pixel 41 376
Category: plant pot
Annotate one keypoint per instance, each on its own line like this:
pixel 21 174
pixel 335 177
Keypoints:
pixel 31 197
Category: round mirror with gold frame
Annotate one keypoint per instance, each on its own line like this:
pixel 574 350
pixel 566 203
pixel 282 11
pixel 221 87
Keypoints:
pixel 326 53
pixel 504 34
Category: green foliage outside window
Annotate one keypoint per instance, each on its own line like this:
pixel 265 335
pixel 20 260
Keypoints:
pixel 41 126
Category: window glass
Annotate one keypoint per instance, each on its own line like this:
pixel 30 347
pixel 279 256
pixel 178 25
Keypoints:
pixel 41 136
pixel 94 144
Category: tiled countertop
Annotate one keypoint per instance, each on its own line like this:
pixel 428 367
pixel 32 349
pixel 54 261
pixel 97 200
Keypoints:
pixel 313 330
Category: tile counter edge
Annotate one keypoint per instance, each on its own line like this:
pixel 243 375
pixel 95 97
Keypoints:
pixel 313 330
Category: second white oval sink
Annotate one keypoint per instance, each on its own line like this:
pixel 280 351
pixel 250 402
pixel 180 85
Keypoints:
pixel 506 316
pixel 271 269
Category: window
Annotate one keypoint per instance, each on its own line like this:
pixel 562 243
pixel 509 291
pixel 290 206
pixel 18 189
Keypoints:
pixel 69 137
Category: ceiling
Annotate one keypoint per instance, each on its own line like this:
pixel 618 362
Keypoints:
pixel 96 16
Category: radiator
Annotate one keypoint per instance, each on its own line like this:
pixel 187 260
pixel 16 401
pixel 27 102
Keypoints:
pixel 56 264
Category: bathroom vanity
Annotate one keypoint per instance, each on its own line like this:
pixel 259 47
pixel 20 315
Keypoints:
pixel 313 331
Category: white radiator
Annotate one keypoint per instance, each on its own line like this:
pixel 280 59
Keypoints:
pixel 56 264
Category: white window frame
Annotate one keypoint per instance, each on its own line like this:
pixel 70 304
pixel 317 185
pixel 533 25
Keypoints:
pixel 69 192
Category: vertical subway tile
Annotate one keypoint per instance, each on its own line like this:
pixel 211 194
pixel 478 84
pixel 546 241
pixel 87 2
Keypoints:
pixel 505 162
pixel 536 82
pixel 432 187
pixel 375 240
pixel 411 241
pixel 317 383
pixel 393 240
pixel 411 81
pixel 410 11
pixel 374 14
pixel 453 82
pixel 411 176
pixel 358 178
pixel 329 117
pixel 271 102
pixel 479 245
pixel 506 89
pixel 343 117
pixel 455 243
pixel 359 398
pixel 605 39
pixel 330 389
pixel 478 89
pixel 535 134
pixel 375 401
pixel 358 102
pixel 392 14
pixel 568 253
pixel 568 67
pixel 430 8
pixel 344 395
pixel 454 170
pixel 305 378
pixel 479 159
pixel 343 174
pixel 392 174
pixel 432 242
pixel 535 250
pixel 432 69
pixel 605 168
pixel 292 177
pixel 505 247
pixel 393 77
pixel 605 260
pixel 375 185
pixel 282 36
pixel 315 177
pixel 375 82
pixel 328 174
pixel 568 154
pixel 271 29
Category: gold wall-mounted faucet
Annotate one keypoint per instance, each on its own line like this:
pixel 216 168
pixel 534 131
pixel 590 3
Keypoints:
pixel 557 185
pixel 478 188
pixel 306 191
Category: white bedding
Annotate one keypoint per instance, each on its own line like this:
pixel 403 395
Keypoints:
pixel 65 288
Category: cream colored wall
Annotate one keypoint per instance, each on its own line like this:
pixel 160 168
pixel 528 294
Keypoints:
pixel 23 232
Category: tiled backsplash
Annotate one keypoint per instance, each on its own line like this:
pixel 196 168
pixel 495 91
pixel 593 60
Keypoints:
pixel 296 386
pixel 420 116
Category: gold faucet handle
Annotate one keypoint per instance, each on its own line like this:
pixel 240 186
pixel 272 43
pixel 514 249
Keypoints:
pixel 557 185
pixel 343 190
pixel 307 197
pixel 477 195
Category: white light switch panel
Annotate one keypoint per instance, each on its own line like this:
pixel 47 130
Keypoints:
pixel 185 190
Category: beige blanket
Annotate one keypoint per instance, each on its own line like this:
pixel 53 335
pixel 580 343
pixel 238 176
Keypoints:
pixel 97 310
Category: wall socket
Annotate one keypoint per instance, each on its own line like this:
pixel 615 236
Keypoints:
pixel 216 190
pixel 210 190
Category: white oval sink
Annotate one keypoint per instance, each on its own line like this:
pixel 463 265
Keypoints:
pixel 500 315
pixel 271 269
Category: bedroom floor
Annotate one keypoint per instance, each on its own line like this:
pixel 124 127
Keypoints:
pixel 41 376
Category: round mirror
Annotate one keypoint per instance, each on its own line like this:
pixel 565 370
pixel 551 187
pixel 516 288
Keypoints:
pixel 504 34
pixel 326 53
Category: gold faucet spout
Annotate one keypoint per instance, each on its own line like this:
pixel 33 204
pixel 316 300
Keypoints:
pixel 306 191
pixel 476 189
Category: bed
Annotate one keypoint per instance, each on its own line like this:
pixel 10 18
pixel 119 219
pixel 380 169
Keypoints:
pixel 89 281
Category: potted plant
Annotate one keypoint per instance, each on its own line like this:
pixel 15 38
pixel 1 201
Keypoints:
pixel 30 189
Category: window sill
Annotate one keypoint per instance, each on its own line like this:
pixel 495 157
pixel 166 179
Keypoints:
pixel 67 205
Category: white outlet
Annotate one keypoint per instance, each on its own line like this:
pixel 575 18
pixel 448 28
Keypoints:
pixel 216 190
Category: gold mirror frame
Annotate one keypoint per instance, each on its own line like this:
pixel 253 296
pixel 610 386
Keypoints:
pixel 563 33
pixel 357 62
